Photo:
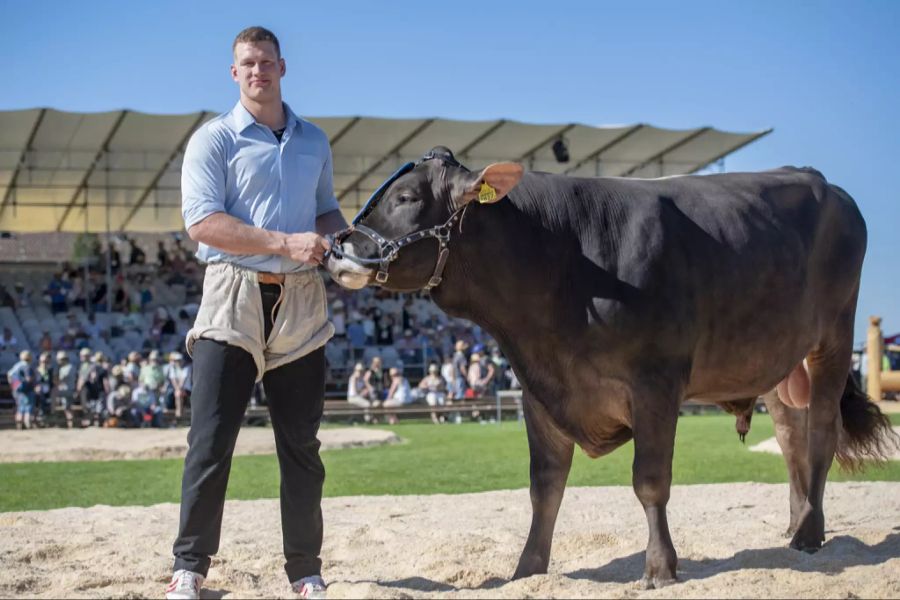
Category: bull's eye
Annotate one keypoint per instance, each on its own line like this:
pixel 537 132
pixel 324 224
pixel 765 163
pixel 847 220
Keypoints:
pixel 405 198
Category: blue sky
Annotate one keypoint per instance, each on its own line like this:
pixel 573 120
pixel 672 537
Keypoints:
pixel 824 75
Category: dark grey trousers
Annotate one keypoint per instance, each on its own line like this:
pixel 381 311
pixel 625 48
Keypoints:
pixel 223 379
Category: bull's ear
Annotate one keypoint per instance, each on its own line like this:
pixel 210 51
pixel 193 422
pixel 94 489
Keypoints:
pixel 490 185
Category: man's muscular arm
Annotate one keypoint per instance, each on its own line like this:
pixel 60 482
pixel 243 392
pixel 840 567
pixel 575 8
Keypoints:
pixel 227 233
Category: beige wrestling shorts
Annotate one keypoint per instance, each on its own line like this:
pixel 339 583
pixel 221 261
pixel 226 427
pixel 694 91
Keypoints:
pixel 231 312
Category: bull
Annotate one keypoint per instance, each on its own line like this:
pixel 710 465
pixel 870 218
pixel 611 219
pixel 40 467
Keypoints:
pixel 615 300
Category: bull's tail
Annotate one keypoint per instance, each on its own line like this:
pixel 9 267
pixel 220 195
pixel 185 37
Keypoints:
pixel 867 435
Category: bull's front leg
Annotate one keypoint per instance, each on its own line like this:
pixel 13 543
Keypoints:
pixel 654 416
pixel 551 459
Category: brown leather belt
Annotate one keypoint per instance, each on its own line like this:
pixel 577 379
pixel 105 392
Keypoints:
pixel 276 278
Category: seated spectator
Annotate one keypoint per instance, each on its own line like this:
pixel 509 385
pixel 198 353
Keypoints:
pixel 21 378
pixel 57 294
pixel 121 408
pixel 360 393
pixel 122 298
pixel 6 299
pixel 339 319
pixel 137 256
pixel 116 376
pixel 22 295
pixel 99 291
pixel 66 341
pixel 481 373
pixel 91 327
pixel 76 292
pixel 399 394
pixel 8 341
pixel 46 342
pixel 143 294
pixel 148 407
pixel 132 370
pixel 65 384
pixel 356 333
pixel 162 257
pixel 385 331
pixel 375 379
pixel 434 389
pixel 152 377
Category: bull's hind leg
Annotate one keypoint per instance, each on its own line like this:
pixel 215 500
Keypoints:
pixel 654 417
pixel 829 364
pixel 790 431
pixel 551 458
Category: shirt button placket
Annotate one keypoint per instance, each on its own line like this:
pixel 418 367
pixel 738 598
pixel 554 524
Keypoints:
pixel 281 225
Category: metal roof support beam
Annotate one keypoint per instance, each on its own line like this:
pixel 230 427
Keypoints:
pixel 530 153
pixel 659 155
pixel 602 149
pixel 337 137
pixel 162 171
pixel 395 150
pixel 735 148
pixel 481 137
pixel 22 159
pixel 104 148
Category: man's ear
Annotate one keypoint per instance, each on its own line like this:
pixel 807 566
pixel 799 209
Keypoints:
pixel 490 185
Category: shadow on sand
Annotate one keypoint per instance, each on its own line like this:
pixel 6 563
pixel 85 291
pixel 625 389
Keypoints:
pixel 837 554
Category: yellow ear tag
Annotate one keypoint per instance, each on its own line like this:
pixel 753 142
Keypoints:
pixel 487 194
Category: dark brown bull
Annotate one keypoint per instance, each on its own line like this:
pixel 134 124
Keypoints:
pixel 617 299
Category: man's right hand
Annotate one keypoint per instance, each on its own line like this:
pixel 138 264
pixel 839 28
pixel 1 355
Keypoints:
pixel 308 247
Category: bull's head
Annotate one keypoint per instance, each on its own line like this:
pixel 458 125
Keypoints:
pixel 400 238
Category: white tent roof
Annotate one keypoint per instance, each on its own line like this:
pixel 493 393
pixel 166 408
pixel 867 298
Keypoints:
pixel 63 171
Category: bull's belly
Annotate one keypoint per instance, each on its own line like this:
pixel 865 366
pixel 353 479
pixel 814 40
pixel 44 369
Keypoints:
pixel 749 367
pixel 599 418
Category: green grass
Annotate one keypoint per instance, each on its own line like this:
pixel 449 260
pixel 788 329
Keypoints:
pixel 446 459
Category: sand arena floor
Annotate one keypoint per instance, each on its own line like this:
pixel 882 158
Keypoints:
pixel 94 443
pixel 729 538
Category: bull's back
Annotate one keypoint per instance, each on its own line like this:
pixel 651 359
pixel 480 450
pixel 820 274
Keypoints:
pixel 777 262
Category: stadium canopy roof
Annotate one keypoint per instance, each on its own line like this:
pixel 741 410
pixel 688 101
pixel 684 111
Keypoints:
pixel 120 170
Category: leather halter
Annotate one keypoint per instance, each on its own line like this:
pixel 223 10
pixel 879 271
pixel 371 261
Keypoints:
pixel 389 250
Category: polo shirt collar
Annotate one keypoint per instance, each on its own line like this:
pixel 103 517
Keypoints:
pixel 243 119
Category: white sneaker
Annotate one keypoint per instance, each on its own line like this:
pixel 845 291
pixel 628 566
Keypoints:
pixel 312 587
pixel 185 585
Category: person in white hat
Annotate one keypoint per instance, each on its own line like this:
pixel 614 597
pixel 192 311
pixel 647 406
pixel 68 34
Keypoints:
pixel 174 385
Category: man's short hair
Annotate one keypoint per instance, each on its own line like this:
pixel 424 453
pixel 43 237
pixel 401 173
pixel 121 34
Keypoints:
pixel 256 34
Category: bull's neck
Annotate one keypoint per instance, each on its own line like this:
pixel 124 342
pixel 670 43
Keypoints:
pixel 505 273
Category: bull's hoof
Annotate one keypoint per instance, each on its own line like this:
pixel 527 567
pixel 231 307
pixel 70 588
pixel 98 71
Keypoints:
pixel 810 533
pixel 802 546
pixel 807 542
pixel 529 566
pixel 655 583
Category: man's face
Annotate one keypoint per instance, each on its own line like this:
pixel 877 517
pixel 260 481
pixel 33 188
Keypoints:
pixel 258 70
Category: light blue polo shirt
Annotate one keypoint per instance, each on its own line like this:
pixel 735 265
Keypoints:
pixel 233 164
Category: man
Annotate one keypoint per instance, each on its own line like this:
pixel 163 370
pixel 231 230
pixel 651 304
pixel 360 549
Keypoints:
pixel 258 197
